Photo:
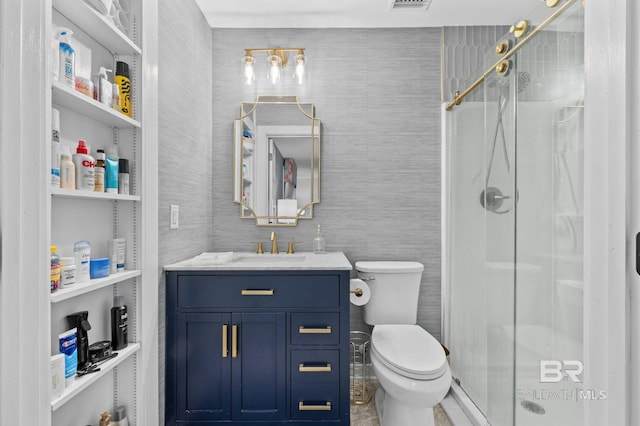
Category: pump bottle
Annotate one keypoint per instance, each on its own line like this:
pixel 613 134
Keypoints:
pixel 318 241
pixel 67 74
pixel 103 92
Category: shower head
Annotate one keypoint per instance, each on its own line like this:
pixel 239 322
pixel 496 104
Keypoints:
pixel 523 80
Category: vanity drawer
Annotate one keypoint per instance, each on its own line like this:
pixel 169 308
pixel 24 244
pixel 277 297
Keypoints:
pixel 315 401
pixel 321 328
pixel 262 291
pixel 316 366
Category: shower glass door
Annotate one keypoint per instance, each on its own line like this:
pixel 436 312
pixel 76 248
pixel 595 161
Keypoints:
pixel 514 231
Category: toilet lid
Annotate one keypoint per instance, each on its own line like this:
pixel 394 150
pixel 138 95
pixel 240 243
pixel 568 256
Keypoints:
pixel 389 267
pixel 409 350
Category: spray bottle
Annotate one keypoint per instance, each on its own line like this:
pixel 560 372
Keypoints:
pixel 67 74
pixel 124 83
pixel 85 168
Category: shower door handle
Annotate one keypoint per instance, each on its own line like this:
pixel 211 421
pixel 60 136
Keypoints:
pixel 638 253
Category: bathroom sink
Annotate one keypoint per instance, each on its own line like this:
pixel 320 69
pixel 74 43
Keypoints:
pixel 268 258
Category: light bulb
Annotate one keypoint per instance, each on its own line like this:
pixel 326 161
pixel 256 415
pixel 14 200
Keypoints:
pixel 249 73
pixel 274 70
pixel 299 72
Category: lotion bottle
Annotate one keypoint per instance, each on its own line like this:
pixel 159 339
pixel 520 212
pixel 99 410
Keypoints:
pixel 67 169
pixel 67 74
pixel 103 91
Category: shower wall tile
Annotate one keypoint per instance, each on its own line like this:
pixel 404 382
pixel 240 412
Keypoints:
pixel 184 143
pixel 377 94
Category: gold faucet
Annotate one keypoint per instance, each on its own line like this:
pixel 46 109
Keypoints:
pixel 274 243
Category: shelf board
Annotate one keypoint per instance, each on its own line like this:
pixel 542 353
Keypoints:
pixel 92 285
pixel 81 383
pixel 74 193
pixel 72 99
pixel 98 26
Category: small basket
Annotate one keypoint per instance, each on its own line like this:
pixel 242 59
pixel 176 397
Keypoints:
pixel 360 390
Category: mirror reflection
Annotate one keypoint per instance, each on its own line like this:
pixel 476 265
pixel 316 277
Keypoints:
pixel 277 160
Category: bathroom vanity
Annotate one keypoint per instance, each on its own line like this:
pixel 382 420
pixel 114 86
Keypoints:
pixel 258 339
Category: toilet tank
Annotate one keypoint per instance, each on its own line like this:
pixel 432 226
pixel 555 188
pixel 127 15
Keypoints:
pixel 394 288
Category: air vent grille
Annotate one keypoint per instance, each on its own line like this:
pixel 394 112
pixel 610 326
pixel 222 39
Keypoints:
pixel 410 4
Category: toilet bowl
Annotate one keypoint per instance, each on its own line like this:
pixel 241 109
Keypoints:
pixel 413 373
pixel 410 363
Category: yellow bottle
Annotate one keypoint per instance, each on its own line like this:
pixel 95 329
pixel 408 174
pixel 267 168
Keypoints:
pixel 124 83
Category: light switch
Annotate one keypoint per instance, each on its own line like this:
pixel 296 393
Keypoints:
pixel 175 217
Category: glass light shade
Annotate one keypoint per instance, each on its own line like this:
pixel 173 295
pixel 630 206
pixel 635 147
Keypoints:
pixel 249 72
pixel 298 74
pixel 275 68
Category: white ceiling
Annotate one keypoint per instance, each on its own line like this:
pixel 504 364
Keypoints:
pixel 359 13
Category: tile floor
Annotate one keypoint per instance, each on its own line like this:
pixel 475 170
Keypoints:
pixel 365 415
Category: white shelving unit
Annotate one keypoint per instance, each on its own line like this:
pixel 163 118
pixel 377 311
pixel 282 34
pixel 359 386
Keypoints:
pixel 131 377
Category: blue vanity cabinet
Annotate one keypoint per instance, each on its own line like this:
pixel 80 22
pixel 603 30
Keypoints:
pixel 257 347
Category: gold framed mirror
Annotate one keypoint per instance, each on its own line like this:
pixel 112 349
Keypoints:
pixel 276 161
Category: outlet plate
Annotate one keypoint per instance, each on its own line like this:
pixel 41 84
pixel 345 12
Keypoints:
pixel 175 217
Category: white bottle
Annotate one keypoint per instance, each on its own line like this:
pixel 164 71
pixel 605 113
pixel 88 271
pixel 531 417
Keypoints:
pixel 67 74
pixel 318 241
pixel 67 169
pixel 55 148
pixel 85 168
pixel 103 91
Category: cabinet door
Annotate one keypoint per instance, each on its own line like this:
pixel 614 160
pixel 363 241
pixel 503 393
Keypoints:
pixel 259 368
pixel 203 366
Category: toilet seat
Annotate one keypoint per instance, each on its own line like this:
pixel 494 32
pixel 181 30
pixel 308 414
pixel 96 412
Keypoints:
pixel 409 350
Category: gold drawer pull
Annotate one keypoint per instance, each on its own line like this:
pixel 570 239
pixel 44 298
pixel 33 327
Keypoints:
pixel 304 330
pixel 315 368
pixel 225 349
pixel 303 407
pixel 234 341
pixel 269 292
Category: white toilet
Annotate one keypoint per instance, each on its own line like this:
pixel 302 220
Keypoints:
pixel 410 363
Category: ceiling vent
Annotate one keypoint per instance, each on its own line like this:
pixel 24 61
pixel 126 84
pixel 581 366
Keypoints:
pixel 409 4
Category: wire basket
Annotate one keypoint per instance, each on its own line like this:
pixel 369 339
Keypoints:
pixel 360 390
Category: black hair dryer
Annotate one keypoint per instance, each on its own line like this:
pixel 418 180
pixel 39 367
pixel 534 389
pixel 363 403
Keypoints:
pixel 79 321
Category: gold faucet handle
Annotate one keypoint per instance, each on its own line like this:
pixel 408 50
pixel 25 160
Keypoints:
pixel 290 247
pixel 260 250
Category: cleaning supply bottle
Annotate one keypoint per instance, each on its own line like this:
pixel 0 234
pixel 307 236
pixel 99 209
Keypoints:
pixel 55 148
pixel 67 169
pixel 99 171
pixel 55 269
pixel 67 74
pixel 85 167
pixel 119 324
pixel 103 92
pixel 318 241
pixel 124 83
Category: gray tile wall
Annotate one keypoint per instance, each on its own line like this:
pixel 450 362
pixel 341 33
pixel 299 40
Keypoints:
pixel 377 92
pixel 184 145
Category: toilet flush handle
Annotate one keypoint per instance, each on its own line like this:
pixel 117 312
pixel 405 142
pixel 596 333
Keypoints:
pixel 371 278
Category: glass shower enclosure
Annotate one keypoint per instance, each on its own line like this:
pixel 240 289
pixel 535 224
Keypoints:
pixel 514 225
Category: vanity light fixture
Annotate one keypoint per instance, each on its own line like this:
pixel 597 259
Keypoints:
pixel 277 60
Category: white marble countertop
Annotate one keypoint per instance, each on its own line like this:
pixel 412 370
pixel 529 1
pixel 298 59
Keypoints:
pixel 239 261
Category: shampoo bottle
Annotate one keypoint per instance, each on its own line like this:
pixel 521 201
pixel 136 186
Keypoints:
pixel 99 171
pixel 67 74
pixel 111 172
pixel 85 168
pixel 67 169
pixel 119 324
pixel 123 176
pixel 318 241
pixel 124 83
